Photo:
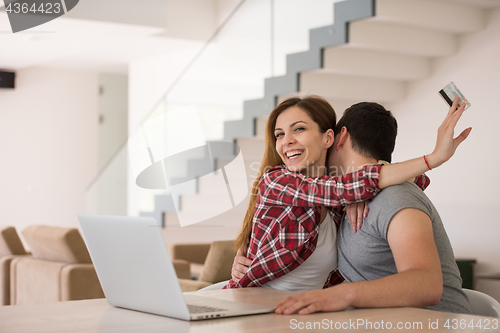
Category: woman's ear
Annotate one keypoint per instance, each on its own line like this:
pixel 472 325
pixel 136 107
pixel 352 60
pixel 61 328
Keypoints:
pixel 329 138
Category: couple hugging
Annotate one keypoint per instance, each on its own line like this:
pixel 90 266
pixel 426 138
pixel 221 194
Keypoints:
pixel 309 214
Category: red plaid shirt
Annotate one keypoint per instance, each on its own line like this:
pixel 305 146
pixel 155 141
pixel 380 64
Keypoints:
pixel 287 217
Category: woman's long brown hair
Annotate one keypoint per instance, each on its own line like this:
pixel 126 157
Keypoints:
pixel 320 111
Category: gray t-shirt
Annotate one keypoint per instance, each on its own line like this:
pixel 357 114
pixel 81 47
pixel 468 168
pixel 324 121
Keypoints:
pixel 366 254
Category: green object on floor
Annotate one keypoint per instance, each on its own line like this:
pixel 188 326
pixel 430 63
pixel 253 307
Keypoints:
pixel 466 267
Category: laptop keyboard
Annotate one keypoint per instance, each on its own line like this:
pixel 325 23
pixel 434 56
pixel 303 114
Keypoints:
pixel 202 309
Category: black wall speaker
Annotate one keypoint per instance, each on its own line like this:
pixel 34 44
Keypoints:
pixel 7 79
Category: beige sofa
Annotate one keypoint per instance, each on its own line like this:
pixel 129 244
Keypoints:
pixel 208 263
pixel 10 248
pixel 60 268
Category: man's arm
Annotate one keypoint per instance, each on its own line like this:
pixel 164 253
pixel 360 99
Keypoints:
pixel 418 283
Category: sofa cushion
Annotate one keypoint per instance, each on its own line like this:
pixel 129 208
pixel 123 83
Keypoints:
pixel 9 242
pixel 56 244
pixel 80 281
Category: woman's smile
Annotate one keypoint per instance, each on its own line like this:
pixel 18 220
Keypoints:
pixel 299 142
pixel 293 154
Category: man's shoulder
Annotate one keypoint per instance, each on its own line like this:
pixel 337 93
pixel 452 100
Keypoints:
pixel 406 195
pixel 404 190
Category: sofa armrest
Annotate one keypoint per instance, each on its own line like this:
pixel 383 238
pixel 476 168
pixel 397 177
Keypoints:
pixel 5 262
pixel 79 281
pixel 195 253
pixel 182 268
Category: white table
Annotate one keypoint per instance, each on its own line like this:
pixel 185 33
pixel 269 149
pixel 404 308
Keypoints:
pixel 98 316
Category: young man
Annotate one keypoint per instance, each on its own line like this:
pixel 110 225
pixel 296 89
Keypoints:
pixel 401 256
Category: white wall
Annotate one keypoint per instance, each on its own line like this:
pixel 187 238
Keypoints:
pixel 48 146
pixel 111 191
pixel 465 190
pixel 113 115
pixel 151 77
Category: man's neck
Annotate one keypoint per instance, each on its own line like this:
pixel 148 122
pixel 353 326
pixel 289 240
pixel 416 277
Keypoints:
pixel 354 162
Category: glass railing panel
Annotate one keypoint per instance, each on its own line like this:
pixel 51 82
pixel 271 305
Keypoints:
pixel 231 69
pixel 292 21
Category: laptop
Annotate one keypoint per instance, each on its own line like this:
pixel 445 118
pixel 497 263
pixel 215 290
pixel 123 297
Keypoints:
pixel 136 273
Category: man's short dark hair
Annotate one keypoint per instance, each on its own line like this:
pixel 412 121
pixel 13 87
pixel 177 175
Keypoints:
pixel 373 130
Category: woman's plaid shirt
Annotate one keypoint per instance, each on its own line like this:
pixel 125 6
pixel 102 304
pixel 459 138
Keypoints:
pixel 287 217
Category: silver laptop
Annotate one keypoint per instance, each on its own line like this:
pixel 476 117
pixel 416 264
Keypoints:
pixel 136 273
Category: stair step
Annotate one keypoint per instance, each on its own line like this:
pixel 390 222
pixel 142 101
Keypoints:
pixel 251 147
pixel 338 104
pixel 215 185
pixel 484 4
pixel 429 14
pixel 224 188
pixel 260 126
pixel 351 87
pixel 211 184
pixel 207 202
pixel 348 59
pixel 393 37
pixel 252 167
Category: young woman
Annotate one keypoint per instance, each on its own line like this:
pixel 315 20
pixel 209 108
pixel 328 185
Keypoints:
pixel 290 235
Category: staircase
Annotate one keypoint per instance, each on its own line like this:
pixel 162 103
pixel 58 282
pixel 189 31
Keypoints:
pixel 370 53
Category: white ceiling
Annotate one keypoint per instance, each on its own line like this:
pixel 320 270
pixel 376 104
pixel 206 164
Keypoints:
pixel 106 35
